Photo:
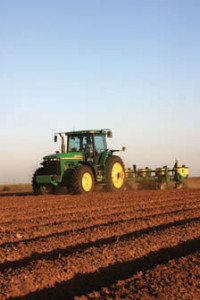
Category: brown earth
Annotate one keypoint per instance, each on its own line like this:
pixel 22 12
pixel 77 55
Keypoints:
pixel 128 245
pixel 193 182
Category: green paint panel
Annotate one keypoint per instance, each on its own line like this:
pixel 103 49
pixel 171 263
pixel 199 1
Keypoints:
pixel 44 179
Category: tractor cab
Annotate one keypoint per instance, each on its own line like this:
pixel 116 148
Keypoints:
pixel 91 143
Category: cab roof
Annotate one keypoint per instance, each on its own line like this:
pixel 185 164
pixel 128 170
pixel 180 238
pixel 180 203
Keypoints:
pixel 92 131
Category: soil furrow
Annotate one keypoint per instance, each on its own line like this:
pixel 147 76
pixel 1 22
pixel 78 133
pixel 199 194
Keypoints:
pixel 13 251
pixel 48 230
pixel 65 265
pixel 152 276
pixel 139 244
pixel 75 209
pixel 68 216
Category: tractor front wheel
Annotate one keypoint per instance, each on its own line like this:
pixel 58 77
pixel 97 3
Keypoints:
pixel 35 185
pixel 41 189
pixel 82 180
pixel 46 189
pixel 115 174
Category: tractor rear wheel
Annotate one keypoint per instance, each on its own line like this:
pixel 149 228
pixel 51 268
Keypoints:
pixel 115 174
pixel 82 180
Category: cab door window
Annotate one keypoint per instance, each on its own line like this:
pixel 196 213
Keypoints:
pixel 100 143
pixel 87 146
pixel 74 143
pixel 100 146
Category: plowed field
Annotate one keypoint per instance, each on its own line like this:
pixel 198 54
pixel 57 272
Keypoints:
pixel 128 245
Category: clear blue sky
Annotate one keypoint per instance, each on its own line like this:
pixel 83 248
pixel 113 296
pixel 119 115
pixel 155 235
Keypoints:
pixel 130 65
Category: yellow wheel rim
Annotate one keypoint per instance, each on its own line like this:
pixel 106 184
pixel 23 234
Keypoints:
pixel 117 175
pixel 87 182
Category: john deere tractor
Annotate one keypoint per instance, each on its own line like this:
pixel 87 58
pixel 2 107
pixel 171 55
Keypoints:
pixel 83 164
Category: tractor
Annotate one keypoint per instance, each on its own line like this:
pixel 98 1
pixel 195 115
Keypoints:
pixel 83 163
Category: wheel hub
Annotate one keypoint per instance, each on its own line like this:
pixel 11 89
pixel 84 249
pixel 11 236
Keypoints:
pixel 87 182
pixel 117 175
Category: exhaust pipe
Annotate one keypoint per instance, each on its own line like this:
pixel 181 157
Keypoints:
pixel 63 150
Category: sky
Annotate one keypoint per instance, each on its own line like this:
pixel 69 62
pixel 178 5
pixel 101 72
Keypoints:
pixel 129 65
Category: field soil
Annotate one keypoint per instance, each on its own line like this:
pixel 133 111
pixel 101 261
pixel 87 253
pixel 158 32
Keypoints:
pixel 193 182
pixel 127 245
pixel 15 188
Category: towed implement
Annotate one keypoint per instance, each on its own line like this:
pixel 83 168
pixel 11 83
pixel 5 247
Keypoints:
pixel 160 178
pixel 85 162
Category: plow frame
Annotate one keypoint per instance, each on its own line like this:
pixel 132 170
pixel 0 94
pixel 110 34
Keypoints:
pixel 158 178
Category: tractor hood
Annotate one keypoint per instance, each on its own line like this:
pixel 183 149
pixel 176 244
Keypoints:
pixel 67 155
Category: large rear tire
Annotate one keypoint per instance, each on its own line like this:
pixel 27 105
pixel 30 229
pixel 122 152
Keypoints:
pixel 115 174
pixel 82 180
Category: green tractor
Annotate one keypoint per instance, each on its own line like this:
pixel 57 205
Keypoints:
pixel 86 163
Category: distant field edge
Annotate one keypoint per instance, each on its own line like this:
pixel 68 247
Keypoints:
pixel 191 182
pixel 17 187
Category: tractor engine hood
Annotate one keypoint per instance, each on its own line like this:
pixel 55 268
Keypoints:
pixel 67 155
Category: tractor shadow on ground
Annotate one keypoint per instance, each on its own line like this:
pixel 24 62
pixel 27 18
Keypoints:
pixel 8 194
pixel 82 284
pixel 81 247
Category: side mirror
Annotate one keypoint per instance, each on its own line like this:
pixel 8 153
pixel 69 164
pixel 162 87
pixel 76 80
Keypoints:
pixel 55 138
pixel 109 134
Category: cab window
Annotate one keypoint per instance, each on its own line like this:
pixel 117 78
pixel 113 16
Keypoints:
pixel 100 143
pixel 74 143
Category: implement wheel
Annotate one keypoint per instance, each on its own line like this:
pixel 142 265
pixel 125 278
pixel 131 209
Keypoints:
pixel 163 186
pixel 82 180
pixel 178 186
pixel 115 174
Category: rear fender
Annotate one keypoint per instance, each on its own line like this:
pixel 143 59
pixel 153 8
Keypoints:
pixel 103 158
